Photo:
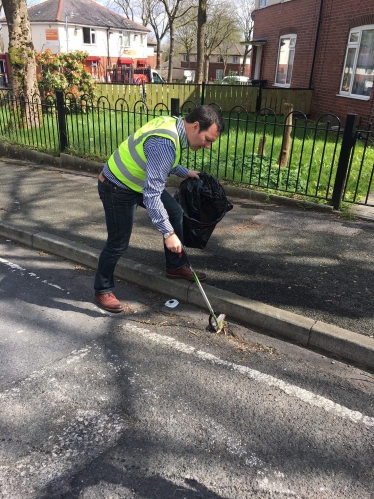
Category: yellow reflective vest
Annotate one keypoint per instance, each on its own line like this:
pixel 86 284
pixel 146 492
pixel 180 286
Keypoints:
pixel 128 162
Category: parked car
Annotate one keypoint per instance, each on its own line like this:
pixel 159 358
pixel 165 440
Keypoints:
pixel 235 80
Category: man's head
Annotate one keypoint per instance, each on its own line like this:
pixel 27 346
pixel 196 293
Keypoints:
pixel 203 126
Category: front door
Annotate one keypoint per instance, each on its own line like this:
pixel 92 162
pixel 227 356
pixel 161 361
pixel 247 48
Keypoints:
pixel 3 76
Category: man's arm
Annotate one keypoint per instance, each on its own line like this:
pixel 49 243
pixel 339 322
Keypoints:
pixel 160 154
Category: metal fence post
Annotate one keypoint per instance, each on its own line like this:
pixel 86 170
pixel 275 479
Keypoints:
pixel 174 104
pixel 62 132
pixel 345 153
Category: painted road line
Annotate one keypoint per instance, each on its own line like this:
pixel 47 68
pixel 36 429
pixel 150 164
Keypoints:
pixel 15 267
pixel 306 396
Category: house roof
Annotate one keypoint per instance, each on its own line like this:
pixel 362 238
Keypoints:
pixel 81 12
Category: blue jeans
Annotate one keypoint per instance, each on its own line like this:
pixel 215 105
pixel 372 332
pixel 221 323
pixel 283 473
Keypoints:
pixel 120 206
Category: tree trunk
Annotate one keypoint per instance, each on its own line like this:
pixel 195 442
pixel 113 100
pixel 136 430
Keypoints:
pixel 201 25
pixel 286 142
pixel 206 69
pixel 158 52
pixel 247 51
pixel 171 53
pixel 22 60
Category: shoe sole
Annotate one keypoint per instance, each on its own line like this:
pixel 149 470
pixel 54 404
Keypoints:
pixel 114 311
pixel 185 278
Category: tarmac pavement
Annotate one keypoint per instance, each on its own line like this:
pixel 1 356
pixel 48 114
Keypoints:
pixel 288 268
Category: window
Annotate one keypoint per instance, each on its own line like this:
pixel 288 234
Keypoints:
pixel 286 54
pixel 235 59
pixel 263 3
pixel 219 59
pixel 142 39
pixel 358 72
pixel 89 36
pixel 124 39
pixel 184 57
pixel 219 74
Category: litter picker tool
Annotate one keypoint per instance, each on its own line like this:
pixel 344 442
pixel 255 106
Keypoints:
pixel 217 323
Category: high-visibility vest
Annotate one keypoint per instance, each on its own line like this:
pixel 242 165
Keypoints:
pixel 128 162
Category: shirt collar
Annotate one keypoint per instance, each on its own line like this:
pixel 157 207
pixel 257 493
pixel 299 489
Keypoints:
pixel 182 133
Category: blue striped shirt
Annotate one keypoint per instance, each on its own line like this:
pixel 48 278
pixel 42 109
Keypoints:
pixel 160 153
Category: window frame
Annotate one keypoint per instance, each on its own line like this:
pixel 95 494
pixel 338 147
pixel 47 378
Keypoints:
pixel 92 36
pixel 285 85
pixel 124 35
pixel 219 74
pixel 263 3
pixel 235 59
pixel 356 45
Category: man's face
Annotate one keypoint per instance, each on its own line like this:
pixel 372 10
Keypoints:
pixel 202 139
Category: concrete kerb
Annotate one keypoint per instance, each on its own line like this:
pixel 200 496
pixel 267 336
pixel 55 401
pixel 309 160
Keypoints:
pixel 311 334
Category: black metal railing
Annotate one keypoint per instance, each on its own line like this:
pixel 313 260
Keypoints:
pixel 319 159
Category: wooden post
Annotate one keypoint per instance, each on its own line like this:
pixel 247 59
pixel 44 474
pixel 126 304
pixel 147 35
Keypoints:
pixel 286 142
pixel 261 151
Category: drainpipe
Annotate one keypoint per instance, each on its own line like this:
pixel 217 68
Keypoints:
pixel 316 43
pixel 108 57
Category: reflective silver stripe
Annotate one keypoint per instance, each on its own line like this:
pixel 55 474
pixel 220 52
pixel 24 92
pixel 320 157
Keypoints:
pixel 165 131
pixel 125 172
pixel 132 143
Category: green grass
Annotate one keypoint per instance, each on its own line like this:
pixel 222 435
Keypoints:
pixel 96 133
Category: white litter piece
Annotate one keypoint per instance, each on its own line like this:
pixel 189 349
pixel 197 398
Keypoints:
pixel 172 303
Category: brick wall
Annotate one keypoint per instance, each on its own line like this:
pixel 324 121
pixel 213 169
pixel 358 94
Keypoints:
pixel 298 17
pixel 338 18
pixel 301 17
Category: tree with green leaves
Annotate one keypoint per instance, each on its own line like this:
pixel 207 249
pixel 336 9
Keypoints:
pixel 65 71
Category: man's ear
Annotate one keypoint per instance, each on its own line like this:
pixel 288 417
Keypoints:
pixel 196 126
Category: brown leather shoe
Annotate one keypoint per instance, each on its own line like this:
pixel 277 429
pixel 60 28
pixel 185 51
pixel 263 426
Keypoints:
pixel 109 302
pixel 185 273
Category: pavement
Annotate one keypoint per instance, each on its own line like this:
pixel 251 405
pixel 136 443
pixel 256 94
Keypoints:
pixel 288 268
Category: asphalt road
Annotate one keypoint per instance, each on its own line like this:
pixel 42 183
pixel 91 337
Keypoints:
pixel 148 404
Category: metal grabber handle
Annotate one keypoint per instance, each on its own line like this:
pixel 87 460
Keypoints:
pixel 200 286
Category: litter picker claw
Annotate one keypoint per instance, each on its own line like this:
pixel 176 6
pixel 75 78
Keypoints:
pixel 216 323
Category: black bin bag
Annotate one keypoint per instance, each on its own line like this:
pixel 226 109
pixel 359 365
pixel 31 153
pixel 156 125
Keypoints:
pixel 204 204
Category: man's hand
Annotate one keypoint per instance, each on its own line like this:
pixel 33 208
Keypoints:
pixel 173 244
pixel 193 174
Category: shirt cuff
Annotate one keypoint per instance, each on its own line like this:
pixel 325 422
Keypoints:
pixel 180 171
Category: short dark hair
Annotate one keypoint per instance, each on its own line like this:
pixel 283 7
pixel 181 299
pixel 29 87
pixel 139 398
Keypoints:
pixel 206 116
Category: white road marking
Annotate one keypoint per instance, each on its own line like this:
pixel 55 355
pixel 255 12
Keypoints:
pixel 292 390
pixel 14 267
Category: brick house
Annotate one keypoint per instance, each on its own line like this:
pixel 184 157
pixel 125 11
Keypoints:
pixel 233 57
pixel 67 25
pixel 323 45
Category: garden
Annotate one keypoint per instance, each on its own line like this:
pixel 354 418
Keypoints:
pixel 247 153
